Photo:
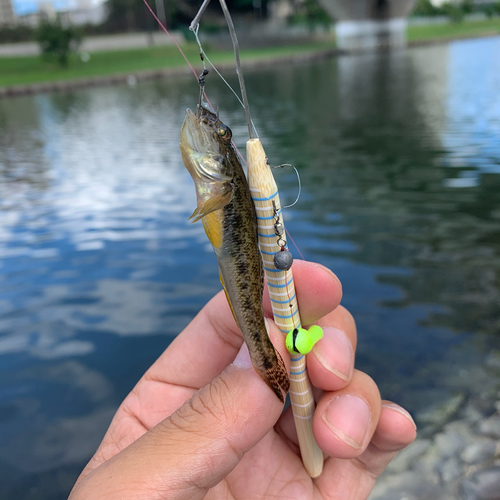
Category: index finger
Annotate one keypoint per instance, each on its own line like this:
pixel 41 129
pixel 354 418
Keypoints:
pixel 212 340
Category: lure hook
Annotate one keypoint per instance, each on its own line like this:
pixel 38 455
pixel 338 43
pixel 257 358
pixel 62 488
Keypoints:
pixel 298 180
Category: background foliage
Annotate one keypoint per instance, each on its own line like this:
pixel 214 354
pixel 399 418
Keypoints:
pixel 57 40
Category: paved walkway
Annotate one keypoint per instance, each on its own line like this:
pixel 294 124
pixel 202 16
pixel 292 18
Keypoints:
pixel 98 43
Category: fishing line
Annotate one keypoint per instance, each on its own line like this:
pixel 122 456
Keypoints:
pixel 283 259
pixel 294 203
pixel 187 60
pixel 195 29
pixel 203 55
pixel 294 244
pixel 295 325
pixel 171 37
pixel 178 46
pixel 239 72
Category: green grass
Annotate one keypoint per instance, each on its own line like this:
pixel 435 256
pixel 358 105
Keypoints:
pixel 454 30
pixel 26 70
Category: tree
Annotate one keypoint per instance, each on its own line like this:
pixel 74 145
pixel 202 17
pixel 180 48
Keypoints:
pixel 311 13
pixel 454 12
pixel 425 8
pixel 126 15
pixel 56 40
pixel 133 15
pixel 492 9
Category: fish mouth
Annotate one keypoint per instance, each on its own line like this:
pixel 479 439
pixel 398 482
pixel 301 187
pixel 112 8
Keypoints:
pixel 198 133
pixel 189 129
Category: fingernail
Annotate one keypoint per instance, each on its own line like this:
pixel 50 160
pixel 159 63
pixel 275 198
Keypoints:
pixel 348 417
pixel 242 359
pixel 335 353
pixel 399 409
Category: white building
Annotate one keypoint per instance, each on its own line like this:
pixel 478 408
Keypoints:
pixel 86 13
pixel 7 16
pixel 47 10
pixel 83 12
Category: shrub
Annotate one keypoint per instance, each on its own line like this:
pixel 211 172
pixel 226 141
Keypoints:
pixel 57 41
pixel 13 34
pixel 312 13
pixel 454 12
pixel 425 8
pixel 492 9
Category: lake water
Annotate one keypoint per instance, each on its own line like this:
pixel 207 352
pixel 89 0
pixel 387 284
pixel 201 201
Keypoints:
pixel 399 156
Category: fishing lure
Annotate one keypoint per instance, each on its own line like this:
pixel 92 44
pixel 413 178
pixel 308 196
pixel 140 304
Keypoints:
pixel 283 298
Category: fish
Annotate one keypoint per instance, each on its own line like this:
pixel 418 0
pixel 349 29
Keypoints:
pixel 226 209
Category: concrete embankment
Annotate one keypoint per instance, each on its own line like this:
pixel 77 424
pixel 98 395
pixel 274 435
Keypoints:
pixel 133 78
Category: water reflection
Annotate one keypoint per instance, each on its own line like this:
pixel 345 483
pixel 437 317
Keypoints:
pixel 100 268
pixel 401 199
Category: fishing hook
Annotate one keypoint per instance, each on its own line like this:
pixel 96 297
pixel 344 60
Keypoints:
pixel 298 179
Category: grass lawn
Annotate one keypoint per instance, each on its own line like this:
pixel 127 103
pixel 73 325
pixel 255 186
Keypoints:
pixel 26 70
pixel 454 30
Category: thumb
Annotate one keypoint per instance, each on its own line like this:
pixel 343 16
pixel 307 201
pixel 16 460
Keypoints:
pixel 196 447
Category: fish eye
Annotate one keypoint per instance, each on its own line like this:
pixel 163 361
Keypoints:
pixel 224 132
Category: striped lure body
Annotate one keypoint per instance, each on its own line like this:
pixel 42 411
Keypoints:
pixel 228 215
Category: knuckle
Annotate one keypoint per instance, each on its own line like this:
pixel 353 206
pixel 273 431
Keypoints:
pixel 207 407
pixel 367 385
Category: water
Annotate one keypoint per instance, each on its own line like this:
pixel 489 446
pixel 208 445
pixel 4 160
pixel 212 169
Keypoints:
pixel 399 156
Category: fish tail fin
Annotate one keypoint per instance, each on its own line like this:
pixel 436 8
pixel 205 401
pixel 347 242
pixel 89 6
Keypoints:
pixel 276 378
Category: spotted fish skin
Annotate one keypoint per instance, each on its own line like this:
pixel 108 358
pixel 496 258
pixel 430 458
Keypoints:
pixel 226 209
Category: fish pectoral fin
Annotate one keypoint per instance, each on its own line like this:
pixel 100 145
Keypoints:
pixel 276 377
pixel 194 215
pixel 215 202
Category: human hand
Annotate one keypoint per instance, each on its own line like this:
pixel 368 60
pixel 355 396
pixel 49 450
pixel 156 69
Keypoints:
pixel 194 427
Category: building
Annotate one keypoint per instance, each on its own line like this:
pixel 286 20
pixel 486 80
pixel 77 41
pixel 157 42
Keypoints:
pixel 7 16
pixel 83 12
pixel 367 24
pixel 86 13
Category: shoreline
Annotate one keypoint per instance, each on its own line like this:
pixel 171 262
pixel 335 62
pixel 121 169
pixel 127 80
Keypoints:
pixel 147 75
pixel 141 76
